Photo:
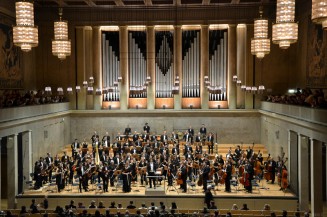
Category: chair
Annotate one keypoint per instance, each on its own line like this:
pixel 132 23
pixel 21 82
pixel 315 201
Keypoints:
pixel 119 184
pixel 234 183
pixel 255 184
pixel 99 187
pixel 191 185
pixel 52 187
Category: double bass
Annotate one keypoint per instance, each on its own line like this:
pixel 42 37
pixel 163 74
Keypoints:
pixel 284 183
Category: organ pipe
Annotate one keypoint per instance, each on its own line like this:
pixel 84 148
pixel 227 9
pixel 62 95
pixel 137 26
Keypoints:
pixel 217 63
pixel 137 63
pixel 110 65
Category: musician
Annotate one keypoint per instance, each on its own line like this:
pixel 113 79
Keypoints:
pixel 238 152
pixel 284 181
pixel 250 172
pixel 111 175
pixel 104 158
pixel 106 140
pixel 133 170
pixel 151 169
pixel 188 137
pixel 272 170
pixel 203 130
pixel 249 152
pixel 260 157
pixel 64 158
pixel 191 131
pixel 210 139
pixel 142 164
pixel 170 173
pixel 208 197
pixel 105 176
pixel 75 146
pixel 198 149
pixel 83 178
pixel 135 136
pixel 145 136
pixel 164 137
pixel 84 148
pixel 37 175
pixel 126 175
pixel 49 161
pixel 228 176
pixel 205 174
pixel 60 173
pixel 127 130
pixel 175 150
pixel 134 150
pixel 71 168
pixel 146 128
pixel 94 137
pixel 184 177
pixel 198 137
pixel 174 137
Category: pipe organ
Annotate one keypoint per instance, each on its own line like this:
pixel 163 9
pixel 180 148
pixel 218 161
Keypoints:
pixel 191 63
pixel 137 64
pixel 164 43
pixel 110 65
pixel 218 63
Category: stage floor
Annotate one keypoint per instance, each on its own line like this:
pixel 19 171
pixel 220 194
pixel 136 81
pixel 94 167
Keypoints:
pixel 192 199
pixel 264 189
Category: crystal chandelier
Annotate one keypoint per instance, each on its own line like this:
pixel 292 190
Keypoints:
pixel 260 44
pixel 285 30
pixel 25 34
pixel 319 12
pixel 61 45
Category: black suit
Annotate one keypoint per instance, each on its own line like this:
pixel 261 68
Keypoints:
pixel 127 131
pixel 184 177
pixel 210 139
pixel 205 176
pixel 228 177
pixel 191 131
pixel 146 128
pixel 75 146
pixel 188 138
pixel 203 130
pixel 151 172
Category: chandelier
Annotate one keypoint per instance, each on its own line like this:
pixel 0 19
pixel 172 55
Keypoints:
pixel 260 44
pixel 25 34
pixel 285 30
pixel 319 12
pixel 61 45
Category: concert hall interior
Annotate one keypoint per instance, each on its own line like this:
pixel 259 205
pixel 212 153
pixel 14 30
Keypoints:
pixel 164 101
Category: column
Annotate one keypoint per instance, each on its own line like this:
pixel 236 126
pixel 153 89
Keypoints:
pixel 0 171
pixel 97 66
pixel 27 155
pixel 303 167
pixel 204 65
pixel 124 84
pixel 231 92
pixel 316 178
pixel 88 64
pixel 12 170
pixel 241 31
pixel 80 67
pixel 151 66
pixel 289 155
pixel 178 65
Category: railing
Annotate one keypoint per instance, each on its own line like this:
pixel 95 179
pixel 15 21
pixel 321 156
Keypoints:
pixel 318 116
pixel 185 212
pixel 16 113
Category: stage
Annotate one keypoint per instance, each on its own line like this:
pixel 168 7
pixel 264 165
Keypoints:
pixel 192 199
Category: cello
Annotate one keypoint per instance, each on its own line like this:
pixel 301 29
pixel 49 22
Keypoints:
pixel 284 183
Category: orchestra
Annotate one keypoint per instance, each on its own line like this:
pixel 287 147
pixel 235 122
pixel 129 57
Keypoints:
pixel 146 158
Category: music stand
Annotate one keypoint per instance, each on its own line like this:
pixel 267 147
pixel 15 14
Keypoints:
pixel 172 186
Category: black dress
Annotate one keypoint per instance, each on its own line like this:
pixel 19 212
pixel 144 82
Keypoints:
pixel 126 179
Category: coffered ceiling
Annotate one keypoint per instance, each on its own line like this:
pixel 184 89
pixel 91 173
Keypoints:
pixel 140 3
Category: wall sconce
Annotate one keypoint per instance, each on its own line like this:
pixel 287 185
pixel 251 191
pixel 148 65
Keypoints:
pixel 78 89
pixel 191 106
pixel 109 107
pixel 164 106
pixel 137 106
pixel 69 90
pixel 234 78
pixel 85 84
